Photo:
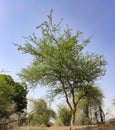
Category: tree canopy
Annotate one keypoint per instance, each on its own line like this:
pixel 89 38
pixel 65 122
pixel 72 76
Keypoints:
pixel 60 62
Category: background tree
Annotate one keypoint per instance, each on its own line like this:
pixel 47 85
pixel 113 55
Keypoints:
pixel 41 114
pixel 60 63
pixel 91 104
pixel 12 97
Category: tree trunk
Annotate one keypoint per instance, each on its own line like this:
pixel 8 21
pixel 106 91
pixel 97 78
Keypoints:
pixel 87 111
pixel 102 115
pixel 73 118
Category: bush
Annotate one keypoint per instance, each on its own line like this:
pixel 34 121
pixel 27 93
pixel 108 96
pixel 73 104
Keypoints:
pixel 64 116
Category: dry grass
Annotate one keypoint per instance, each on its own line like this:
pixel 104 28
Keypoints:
pixel 104 127
pixel 50 128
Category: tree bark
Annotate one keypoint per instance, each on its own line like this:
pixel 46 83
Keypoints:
pixel 102 115
pixel 73 118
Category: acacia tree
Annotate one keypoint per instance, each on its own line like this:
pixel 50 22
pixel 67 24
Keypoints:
pixel 60 63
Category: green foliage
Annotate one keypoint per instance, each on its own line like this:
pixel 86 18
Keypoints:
pixel 41 113
pixel 19 96
pixel 59 61
pixel 64 115
pixel 12 96
pixel 59 53
pixel 6 91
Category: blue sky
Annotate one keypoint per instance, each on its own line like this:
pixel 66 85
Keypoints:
pixel 96 18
